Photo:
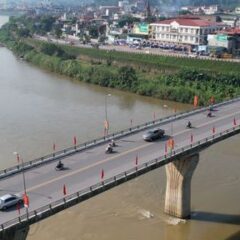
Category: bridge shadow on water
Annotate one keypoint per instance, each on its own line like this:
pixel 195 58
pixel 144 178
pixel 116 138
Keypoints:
pixel 216 217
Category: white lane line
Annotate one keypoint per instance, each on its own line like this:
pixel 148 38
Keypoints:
pixel 117 156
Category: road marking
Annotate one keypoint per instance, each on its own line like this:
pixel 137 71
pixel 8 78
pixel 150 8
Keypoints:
pixel 87 167
pixel 121 154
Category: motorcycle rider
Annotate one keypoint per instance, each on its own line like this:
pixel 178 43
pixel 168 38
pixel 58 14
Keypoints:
pixel 59 165
pixel 189 124
pixel 109 148
pixel 113 144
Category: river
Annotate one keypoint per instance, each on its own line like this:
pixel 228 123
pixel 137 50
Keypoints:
pixel 39 108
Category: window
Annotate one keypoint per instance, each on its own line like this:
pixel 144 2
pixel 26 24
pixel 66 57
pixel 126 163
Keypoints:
pixel 10 199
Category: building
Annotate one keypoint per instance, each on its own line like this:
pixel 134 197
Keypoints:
pixel 138 33
pixel 211 9
pixel 226 39
pixel 208 10
pixel 231 20
pixel 237 10
pixel 109 11
pixel 183 31
pixel 141 29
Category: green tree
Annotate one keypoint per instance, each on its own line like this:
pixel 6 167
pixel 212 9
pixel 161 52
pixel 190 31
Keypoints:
pixel 58 31
pixel 127 19
pixel 47 23
pixel 23 32
pixel 127 78
pixel 93 31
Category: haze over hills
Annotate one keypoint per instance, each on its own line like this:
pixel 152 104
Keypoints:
pixel 176 2
pixel 153 3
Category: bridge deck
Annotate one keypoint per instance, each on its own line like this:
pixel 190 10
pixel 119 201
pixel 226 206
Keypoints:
pixel 45 185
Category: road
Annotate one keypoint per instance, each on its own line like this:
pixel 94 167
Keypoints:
pixel 45 185
pixel 154 51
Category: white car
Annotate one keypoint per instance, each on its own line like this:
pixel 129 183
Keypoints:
pixel 10 200
pixel 154 134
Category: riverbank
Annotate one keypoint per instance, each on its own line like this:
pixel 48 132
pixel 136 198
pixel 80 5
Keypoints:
pixel 167 78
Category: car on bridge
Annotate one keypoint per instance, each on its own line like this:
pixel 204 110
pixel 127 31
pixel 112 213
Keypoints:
pixel 154 134
pixel 9 200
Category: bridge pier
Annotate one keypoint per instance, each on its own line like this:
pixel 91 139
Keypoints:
pixel 17 233
pixel 178 192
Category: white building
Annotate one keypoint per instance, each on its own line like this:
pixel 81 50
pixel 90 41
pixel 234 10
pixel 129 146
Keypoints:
pixel 208 10
pixel 211 9
pixel 237 10
pixel 183 31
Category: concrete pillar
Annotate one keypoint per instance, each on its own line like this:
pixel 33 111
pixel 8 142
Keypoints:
pixel 15 233
pixel 178 192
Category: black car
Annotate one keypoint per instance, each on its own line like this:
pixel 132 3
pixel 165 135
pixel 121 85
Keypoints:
pixel 154 134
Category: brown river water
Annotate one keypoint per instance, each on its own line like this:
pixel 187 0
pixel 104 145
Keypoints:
pixel 39 108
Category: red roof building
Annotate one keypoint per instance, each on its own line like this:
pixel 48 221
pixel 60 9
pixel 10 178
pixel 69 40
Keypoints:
pixel 184 31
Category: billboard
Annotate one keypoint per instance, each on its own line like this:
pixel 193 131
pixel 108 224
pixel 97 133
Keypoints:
pixel 218 40
pixel 221 37
pixel 141 28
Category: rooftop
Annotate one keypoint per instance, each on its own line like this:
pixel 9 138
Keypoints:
pixel 232 31
pixel 196 22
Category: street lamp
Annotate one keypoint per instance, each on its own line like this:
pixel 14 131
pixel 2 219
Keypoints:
pixel 23 176
pixel 165 107
pixel 106 113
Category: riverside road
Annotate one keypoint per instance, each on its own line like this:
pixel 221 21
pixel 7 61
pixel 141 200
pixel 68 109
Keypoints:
pixel 45 185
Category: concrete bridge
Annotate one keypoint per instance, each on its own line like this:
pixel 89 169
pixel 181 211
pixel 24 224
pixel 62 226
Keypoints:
pixel 89 171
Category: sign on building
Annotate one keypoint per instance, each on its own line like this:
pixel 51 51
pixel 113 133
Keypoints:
pixel 218 40
pixel 141 28
pixel 221 37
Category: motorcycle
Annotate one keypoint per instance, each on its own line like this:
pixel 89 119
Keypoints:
pixel 59 167
pixel 189 125
pixel 209 114
pixel 108 149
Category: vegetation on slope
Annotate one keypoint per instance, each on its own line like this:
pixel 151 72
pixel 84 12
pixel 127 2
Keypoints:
pixel 177 79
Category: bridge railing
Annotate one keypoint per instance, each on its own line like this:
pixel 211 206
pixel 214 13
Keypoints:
pixel 78 148
pixel 72 199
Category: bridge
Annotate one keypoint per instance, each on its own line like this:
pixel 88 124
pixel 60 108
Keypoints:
pixel 89 171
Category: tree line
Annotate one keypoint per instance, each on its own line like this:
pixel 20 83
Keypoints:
pixel 156 76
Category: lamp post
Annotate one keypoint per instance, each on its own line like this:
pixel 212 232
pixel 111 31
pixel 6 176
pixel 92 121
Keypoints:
pixel 106 114
pixel 23 176
pixel 165 107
